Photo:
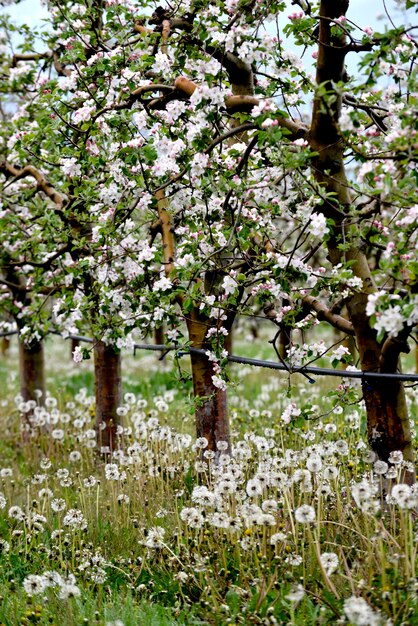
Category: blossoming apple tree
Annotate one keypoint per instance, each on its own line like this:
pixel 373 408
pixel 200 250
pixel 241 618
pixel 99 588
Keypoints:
pixel 179 165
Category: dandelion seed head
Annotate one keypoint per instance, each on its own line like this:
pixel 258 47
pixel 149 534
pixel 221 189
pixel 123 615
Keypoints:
pixel 305 514
pixel 401 494
pixel 277 538
pixel 331 472
pixel 57 434
pixel 395 457
pixel 4 546
pixel 294 560
pixel 269 506
pixel 359 613
pixel 90 481
pixel 329 561
pixel 380 467
pixel 254 487
pixel 314 464
pixel 75 519
pixel 192 516
pixel 16 513
pixel 68 590
pixel 201 443
pixel 219 520
pixel 296 594
pixel 155 537
pixel 34 584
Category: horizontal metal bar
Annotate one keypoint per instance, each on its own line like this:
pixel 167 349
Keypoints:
pixel 315 371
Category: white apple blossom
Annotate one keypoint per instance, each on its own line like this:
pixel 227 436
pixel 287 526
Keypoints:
pixel 84 113
pixel 163 284
pixel 71 167
pixel 318 225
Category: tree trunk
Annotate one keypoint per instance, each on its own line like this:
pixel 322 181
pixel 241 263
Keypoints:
pixel 285 340
pixel 285 335
pixel 32 371
pixel 5 345
pixel 388 425
pixel 74 343
pixel 229 341
pixel 387 414
pixel 211 402
pixel 387 418
pixel 416 353
pixel 159 340
pixel 108 387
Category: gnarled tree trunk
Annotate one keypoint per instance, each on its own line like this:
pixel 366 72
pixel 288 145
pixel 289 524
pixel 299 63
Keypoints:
pixel 108 388
pixel 211 411
pixel 387 414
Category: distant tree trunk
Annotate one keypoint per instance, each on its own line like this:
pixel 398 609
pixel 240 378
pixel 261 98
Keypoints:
pixel 108 387
pixel 159 336
pixel 229 341
pixel 285 336
pixel 388 424
pixel 32 371
pixel 74 343
pixel 5 345
pixel 159 340
pixel 416 353
pixel 211 411
pixel 285 340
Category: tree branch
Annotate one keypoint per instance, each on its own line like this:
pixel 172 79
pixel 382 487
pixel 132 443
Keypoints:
pixel 33 56
pixel 244 103
pixel 230 133
pixel 42 183
pixel 323 313
pixel 391 350
pixel 166 231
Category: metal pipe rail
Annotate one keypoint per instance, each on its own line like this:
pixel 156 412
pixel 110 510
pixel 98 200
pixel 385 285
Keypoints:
pixel 304 370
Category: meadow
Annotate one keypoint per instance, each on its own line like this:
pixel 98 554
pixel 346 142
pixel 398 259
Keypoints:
pixel 297 527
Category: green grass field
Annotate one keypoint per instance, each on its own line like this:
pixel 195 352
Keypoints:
pixel 295 528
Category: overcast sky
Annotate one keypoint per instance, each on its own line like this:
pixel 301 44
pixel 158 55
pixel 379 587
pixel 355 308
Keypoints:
pixel 361 12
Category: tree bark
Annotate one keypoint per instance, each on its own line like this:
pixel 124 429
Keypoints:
pixel 32 371
pixel 159 336
pixel 285 340
pixel 229 341
pixel 74 343
pixel 388 424
pixel 211 404
pixel 108 388
pixel 285 336
pixel 5 345
pixel 416 353
pixel 32 380
pixel 211 411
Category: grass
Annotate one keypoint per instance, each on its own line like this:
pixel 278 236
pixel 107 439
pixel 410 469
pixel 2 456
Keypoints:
pixel 293 529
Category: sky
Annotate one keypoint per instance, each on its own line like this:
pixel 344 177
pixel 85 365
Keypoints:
pixel 360 11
